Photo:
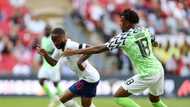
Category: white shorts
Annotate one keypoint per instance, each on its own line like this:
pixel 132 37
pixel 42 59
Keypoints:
pixel 137 84
pixel 49 73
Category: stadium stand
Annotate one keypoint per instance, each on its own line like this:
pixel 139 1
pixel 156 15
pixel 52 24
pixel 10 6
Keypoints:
pixel 94 20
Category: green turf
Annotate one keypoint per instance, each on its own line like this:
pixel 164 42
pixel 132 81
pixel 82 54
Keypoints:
pixel 99 102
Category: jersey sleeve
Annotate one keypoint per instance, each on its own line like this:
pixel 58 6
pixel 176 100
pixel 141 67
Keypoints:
pixel 75 45
pixel 116 42
pixel 56 54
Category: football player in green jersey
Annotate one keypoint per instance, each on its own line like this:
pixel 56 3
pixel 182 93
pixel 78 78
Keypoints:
pixel 136 42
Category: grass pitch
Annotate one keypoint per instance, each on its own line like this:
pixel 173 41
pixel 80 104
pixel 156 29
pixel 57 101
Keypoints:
pixel 99 102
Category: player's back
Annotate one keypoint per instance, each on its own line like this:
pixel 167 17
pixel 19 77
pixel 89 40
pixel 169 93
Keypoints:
pixel 138 47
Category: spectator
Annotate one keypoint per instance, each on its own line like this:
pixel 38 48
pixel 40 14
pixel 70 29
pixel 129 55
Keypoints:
pixel 34 24
pixel 171 65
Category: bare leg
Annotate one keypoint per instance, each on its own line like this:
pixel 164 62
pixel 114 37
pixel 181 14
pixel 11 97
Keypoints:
pixel 67 96
pixel 153 98
pixel 156 102
pixel 62 91
pixel 86 101
pixel 49 89
pixel 121 93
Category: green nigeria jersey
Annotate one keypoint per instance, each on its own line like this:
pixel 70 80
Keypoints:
pixel 136 43
pixel 47 44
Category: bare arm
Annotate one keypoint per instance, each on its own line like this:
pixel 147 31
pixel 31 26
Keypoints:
pixel 154 42
pixel 90 50
pixel 81 60
pixel 49 59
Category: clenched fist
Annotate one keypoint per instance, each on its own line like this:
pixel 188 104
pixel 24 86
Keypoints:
pixel 41 51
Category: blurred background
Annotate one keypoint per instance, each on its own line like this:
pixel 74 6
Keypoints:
pixel 22 23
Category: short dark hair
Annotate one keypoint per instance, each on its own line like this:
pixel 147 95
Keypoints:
pixel 130 15
pixel 58 31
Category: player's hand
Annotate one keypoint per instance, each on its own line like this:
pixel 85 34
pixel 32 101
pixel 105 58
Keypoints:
pixel 156 44
pixel 41 51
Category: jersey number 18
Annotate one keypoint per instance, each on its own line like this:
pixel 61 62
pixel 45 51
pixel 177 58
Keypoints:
pixel 144 47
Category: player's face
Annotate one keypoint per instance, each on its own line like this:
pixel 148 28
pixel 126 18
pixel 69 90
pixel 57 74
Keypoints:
pixel 124 24
pixel 59 41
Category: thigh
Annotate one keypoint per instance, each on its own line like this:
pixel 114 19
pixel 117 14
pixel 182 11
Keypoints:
pixel 157 88
pixel 86 101
pixel 135 84
pixel 84 89
pixel 68 95
pixel 55 75
pixel 43 73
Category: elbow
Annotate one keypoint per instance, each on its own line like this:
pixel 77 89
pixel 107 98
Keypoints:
pixel 79 64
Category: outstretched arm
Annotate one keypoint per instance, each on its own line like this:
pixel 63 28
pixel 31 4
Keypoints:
pixel 90 50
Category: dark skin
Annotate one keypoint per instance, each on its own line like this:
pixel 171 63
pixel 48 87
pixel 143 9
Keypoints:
pixel 47 32
pixel 60 41
pixel 125 26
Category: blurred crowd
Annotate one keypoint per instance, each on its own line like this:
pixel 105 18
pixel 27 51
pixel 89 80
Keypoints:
pixel 175 57
pixel 19 27
pixel 162 17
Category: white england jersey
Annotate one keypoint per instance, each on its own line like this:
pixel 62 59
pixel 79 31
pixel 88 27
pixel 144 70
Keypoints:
pixel 90 74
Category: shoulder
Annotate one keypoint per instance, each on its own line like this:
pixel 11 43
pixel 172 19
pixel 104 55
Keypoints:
pixel 138 31
pixel 71 44
pixel 121 35
pixel 68 43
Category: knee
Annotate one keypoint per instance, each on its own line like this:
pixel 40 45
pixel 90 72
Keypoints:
pixel 62 100
pixel 153 98
pixel 122 94
pixel 85 104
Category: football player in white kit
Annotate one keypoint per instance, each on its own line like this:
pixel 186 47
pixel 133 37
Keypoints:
pixel 88 76
pixel 49 76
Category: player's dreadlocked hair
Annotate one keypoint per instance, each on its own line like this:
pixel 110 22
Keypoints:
pixel 131 16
